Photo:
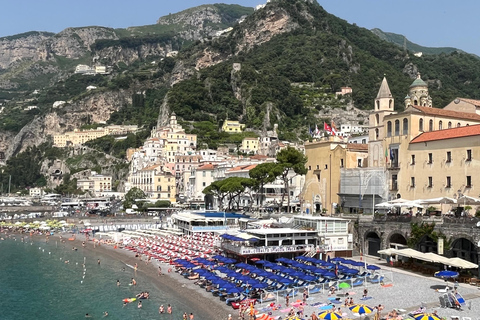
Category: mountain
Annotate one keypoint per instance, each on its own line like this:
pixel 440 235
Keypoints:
pixel 281 64
pixel 402 41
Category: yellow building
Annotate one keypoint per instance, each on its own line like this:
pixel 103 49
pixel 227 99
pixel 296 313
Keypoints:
pixel 77 136
pixel 155 182
pixel 250 145
pixel 326 158
pixel 425 149
pixel 231 126
pixel 95 184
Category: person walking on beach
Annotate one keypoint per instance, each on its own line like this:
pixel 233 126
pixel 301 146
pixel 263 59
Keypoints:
pixel 287 299
pixel 305 296
pixel 159 270
pixel 365 293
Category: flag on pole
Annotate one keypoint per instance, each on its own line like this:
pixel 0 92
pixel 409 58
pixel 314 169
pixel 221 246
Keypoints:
pixel 334 128
pixel 317 132
pixel 327 128
pixel 386 155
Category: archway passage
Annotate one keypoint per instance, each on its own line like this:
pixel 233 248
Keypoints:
pixel 465 249
pixel 427 244
pixel 397 241
pixel 373 243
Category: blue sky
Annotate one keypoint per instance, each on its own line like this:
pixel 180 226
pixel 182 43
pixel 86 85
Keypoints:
pixel 426 22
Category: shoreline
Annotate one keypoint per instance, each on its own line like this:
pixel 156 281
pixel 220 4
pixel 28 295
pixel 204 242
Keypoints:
pixel 202 303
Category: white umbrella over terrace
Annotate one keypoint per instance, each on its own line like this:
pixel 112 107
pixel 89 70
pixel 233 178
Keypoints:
pixel 464 200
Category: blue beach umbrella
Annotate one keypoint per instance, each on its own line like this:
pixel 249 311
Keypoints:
pixel 373 267
pixel 261 262
pixel 446 274
pixel 329 275
pixel 337 259
pixel 234 290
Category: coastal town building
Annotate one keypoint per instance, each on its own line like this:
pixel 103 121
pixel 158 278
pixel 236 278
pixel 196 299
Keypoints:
pixel 95 184
pixel 232 126
pixel 155 181
pixel 78 136
pixel 250 145
pixel 326 158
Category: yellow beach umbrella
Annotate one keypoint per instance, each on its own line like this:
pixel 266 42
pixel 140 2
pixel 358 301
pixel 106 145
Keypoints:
pixel 426 316
pixel 329 315
pixel 361 309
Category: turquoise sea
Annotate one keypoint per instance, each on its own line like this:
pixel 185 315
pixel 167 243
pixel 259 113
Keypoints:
pixel 36 283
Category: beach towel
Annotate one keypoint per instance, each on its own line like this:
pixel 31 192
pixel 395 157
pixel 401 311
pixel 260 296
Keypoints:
pixel 388 285
pixel 285 310
pixel 328 307
pixel 366 298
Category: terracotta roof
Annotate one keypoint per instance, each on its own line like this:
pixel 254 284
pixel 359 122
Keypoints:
pixel 357 146
pixel 207 166
pixel 259 157
pixel 448 113
pixel 472 101
pixel 452 133
pixel 151 167
pixel 243 168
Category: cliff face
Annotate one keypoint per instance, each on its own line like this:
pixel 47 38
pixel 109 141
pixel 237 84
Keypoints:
pixel 96 108
pixel 26 47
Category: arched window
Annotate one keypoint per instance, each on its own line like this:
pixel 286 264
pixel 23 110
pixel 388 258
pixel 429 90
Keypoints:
pixel 377 119
pixel 389 128
pixel 440 125
pixel 449 124
pixel 415 102
pixel 405 126
pixel 458 124
pixel 420 125
pixel 430 125
pixel 390 104
pixel 378 105
pixel 376 134
pixel 397 127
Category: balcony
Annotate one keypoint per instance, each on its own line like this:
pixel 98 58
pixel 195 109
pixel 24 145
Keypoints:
pixel 248 250
pixel 393 165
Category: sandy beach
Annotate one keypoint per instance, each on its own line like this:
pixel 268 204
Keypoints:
pixel 205 306
pixel 404 290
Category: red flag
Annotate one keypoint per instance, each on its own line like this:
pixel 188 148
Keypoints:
pixel 334 128
pixel 327 128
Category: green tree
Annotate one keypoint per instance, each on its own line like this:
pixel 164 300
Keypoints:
pixel 262 174
pixel 230 188
pixel 290 159
pixel 131 196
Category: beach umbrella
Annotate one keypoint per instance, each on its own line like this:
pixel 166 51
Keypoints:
pixel 373 267
pixel 329 275
pixel 445 274
pixel 259 285
pixel 234 290
pixel 337 259
pixel 362 309
pixel 329 315
pixel 426 316
pixel 261 262
pixel 344 285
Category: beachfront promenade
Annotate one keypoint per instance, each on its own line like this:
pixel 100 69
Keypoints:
pixel 399 289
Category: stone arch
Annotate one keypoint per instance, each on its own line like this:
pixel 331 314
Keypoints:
pixel 463 247
pixel 396 237
pixel 373 242
pixel 427 244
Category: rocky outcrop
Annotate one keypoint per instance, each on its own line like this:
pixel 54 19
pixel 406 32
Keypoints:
pixel 116 54
pixel 74 43
pixel 275 21
pixel 27 46
pixel 94 108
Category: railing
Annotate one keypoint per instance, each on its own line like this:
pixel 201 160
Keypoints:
pixel 244 250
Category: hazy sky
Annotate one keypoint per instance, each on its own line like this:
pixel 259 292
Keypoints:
pixel 426 22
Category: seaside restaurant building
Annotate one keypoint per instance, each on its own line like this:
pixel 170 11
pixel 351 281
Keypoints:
pixel 312 236
pixel 189 222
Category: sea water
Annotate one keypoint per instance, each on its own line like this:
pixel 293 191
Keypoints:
pixel 36 283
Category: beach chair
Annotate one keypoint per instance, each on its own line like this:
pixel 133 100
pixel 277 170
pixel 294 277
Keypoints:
pixel 442 302
pixel 357 283
pixel 448 302
pixel 377 280
pixel 466 318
